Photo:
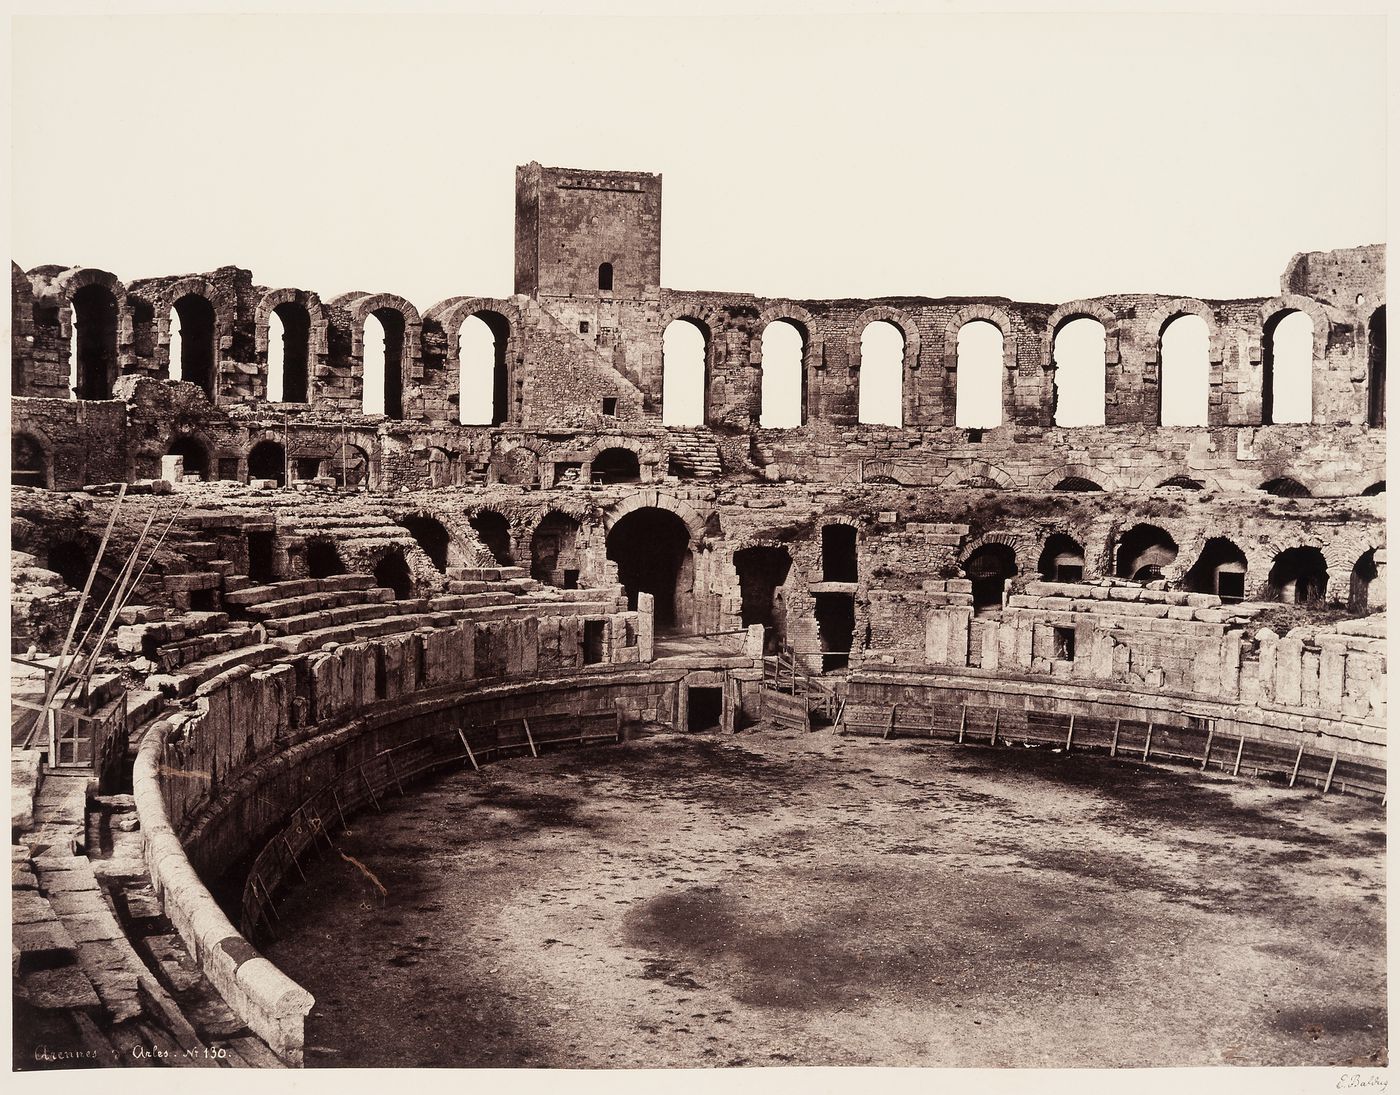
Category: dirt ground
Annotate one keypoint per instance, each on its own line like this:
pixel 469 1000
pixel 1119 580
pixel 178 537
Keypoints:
pixel 775 899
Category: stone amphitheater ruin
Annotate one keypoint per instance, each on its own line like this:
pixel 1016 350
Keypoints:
pixel 249 607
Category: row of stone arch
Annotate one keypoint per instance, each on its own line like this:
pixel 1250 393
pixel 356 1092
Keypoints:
pixel 1184 365
pixel 1298 573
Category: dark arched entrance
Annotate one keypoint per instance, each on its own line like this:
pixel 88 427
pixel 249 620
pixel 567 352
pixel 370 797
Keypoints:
pixel 494 532
pixel 268 460
pixel 95 316
pixel 652 550
pixel 322 559
pixel 554 551
pixel 432 537
pixel 391 572
pixel 762 573
pixel 195 454
pixel 197 355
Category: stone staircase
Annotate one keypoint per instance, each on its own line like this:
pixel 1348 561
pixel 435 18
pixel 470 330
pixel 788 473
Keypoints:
pixel 694 454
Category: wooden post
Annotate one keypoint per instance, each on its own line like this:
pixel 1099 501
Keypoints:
pixel 1113 749
pixel 1239 755
pixel 1331 768
pixel 617 726
pixel 1147 749
pixel 470 755
pixel 890 728
pixel 343 823
pixel 292 852
pixel 962 723
pixel 1210 738
pixel 996 722
pixel 530 738
pixel 1069 738
pixel 394 768
pixel 1298 760
pixel 369 788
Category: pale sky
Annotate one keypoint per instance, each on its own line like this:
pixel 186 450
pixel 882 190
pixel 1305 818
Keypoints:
pixel 1036 157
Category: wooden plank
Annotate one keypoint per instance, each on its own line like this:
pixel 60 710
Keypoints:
pixel 1147 749
pixel 1293 776
pixel 1331 768
pixel 1069 738
pixel 1117 726
pixel 1210 740
pixel 1239 756
pixel 368 787
pixel 467 746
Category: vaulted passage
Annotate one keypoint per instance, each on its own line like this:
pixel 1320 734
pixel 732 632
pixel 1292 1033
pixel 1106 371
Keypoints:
pixel 554 551
pixel 978 379
pixel 616 466
pixel 494 532
pixel 195 455
pixel 1079 373
pixel 1062 559
pixel 783 386
pixel 1143 551
pixel 1185 384
pixel 1288 362
pixel 391 572
pixel 836 628
pixel 1367 590
pixel 881 396
pixel 1220 570
pixel 94 352
pixel 1298 576
pixel 432 537
pixel 322 558
pixel 990 567
pixel 192 342
pixel 268 460
pixel 684 380
pixel 483 373
pixel 652 550
pixel 763 571
pixel 383 363
pixel 288 353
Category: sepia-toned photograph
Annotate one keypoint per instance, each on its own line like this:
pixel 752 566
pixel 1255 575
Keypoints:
pixel 913 599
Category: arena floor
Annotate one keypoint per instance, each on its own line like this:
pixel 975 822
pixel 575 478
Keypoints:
pixel 772 899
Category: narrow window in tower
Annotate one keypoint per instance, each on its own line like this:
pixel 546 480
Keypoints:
pixel 605 276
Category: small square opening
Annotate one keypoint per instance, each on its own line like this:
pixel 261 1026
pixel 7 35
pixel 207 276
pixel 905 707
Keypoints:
pixel 1068 572
pixel 1064 644
pixel 593 635
pixel 570 579
pixel 610 405
pixel 1229 586
pixel 583 327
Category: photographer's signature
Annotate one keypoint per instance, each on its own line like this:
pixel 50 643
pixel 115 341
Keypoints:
pixel 1353 1081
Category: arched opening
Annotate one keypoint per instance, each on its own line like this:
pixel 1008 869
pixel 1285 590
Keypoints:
pixel 1298 576
pixel 94 351
pixel 349 465
pixel 1287 359
pixel 483 374
pixel 288 353
pixel 1365 581
pixel 782 386
pixel 432 537
pixel 1284 487
pixel 1181 482
pixel 1143 552
pixel 881 396
pixel 493 531
pixel 195 455
pixel 616 466
pixel 605 276
pixel 1062 559
pixel 763 571
pixel 651 548
pixel 1185 379
pixel 71 560
pixel 977 385
pixel 684 378
pixel 29 467
pixel 1375 369
pixel 1077 483
pixel 383 363
pixel 323 559
pixel 839 557
pixel 268 460
pixel 554 551
pixel 990 567
pixel 1080 372
pixel 192 345
pixel 1374 489
pixel 1220 570
pixel 391 572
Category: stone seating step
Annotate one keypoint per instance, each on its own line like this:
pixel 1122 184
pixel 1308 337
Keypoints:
pixel 317 602
pixel 332 617
pixel 191 676
pixel 298 587
pixel 172 656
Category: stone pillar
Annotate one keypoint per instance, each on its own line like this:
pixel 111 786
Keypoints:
pixel 646 626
